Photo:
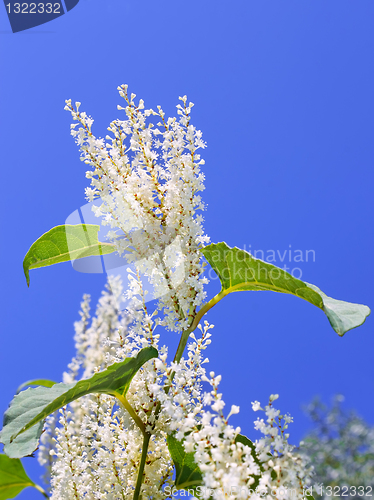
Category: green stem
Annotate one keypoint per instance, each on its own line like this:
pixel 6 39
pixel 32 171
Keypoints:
pixel 186 334
pixel 181 346
pixel 195 322
pixel 139 481
pixel 39 488
pixel 178 356
pixel 204 310
pixel 131 411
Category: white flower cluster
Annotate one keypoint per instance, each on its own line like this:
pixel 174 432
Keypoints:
pixel 285 472
pixel 341 449
pixel 148 178
pixel 231 466
pixel 95 446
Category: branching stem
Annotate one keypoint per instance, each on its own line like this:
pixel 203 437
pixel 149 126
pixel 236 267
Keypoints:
pixel 205 308
pixel 195 322
pixel 178 356
pixel 131 411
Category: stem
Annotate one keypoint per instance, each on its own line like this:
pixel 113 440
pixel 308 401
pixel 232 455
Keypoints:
pixel 177 358
pixel 204 310
pixel 139 481
pixel 181 346
pixel 186 334
pixel 39 488
pixel 195 322
pixel 131 411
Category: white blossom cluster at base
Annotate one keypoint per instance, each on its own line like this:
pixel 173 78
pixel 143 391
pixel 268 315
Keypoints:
pixel 95 447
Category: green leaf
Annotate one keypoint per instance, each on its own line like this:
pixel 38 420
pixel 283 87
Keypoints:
pixel 23 421
pixel 13 478
pixel 239 271
pixel 42 381
pixel 247 442
pixel 65 243
pixel 240 438
pixel 188 474
pixel 343 316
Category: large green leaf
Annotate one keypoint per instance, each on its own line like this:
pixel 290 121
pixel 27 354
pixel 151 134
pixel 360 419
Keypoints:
pixel 65 243
pixel 23 421
pixel 40 381
pixel 239 271
pixel 188 474
pixel 13 478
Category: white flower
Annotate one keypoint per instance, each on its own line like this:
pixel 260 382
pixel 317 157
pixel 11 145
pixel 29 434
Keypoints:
pixel 256 406
pixel 148 179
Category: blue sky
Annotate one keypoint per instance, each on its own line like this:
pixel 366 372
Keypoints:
pixel 283 95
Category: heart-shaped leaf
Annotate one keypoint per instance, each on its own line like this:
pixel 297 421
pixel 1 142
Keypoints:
pixel 13 478
pixel 63 244
pixel 40 381
pixel 239 271
pixel 23 421
pixel 188 474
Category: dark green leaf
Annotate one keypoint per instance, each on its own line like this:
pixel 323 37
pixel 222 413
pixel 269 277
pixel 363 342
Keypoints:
pixel 247 442
pixel 13 478
pixel 188 474
pixel 42 381
pixel 23 421
pixel 65 243
pixel 239 271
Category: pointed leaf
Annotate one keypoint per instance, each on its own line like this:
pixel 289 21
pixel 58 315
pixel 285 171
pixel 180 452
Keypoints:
pixel 343 316
pixel 65 243
pixel 188 474
pixel 240 438
pixel 239 271
pixel 42 381
pixel 23 421
pixel 13 478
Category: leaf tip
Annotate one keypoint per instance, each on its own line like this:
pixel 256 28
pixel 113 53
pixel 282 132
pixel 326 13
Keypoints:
pixel 26 272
